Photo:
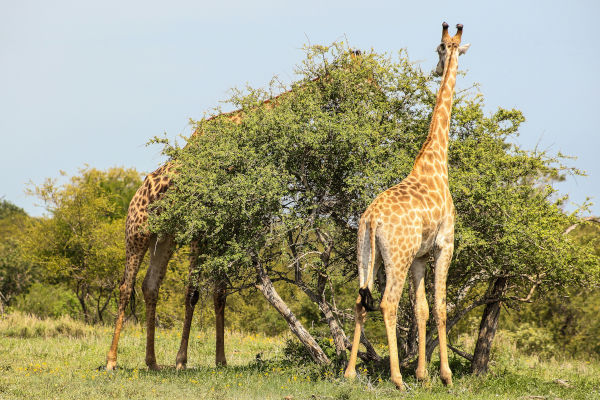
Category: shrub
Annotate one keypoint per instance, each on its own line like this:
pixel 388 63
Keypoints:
pixel 46 301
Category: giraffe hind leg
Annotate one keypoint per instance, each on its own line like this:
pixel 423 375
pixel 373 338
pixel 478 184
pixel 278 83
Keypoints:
pixel 389 310
pixel 360 312
pixel 397 264
pixel 360 315
pixel 136 248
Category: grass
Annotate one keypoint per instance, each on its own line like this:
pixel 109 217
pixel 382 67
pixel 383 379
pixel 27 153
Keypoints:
pixel 60 359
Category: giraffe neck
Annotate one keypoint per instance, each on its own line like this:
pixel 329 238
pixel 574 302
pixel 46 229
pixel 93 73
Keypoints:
pixel 433 157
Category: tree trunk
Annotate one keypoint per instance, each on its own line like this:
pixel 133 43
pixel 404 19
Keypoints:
pixel 432 340
pixel 266 287
pixel 487 328
pixel 219 300
pixel 103 307
pixel 339 337
pixel 1 304
pixel 81 295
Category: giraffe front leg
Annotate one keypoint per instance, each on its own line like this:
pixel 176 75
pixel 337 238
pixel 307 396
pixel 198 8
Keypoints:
pixel 359 318
pixel 421 313
pixel 442 262
pixel 191 298
pixel 389 309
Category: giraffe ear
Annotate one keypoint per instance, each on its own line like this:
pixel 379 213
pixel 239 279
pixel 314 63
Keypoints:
pixel 463 49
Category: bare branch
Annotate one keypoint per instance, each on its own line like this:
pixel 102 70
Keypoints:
pixel 461 353
pixel 582 220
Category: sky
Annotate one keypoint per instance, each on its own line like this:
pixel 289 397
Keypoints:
pixel 90 82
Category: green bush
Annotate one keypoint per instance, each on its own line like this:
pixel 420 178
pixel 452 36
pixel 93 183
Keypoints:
pixel 46 301
pixel 531 339
pixel 295 352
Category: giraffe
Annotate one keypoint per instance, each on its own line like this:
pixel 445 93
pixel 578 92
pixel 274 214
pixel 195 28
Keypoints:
pixel 139 240
pixel 405 222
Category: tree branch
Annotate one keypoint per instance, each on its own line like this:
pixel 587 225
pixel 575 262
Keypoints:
pixel 582 220
pixel 461 353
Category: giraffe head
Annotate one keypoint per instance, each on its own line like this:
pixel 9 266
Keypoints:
pixel 449 47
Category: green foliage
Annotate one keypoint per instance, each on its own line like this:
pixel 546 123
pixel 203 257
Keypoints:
pixel 81 243
pixel 16 273
pixel 534 340
pixel 320 147
pixel 43 300
pixel 563 322
pixel 10 210
pixel 295 352
pixel 510 221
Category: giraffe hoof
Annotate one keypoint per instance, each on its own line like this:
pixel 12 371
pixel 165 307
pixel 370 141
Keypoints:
pixel 446 377
pixel 350 374
pixel 153 367
pixel 422 375
pixel 399 383
pixel 180 366
pixel 111 365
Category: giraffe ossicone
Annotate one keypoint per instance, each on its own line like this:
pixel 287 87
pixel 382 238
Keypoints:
pixel 405 223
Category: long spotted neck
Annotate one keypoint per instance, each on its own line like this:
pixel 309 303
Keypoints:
pixel 433 157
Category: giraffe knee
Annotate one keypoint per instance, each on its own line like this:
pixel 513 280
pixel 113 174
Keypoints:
pixel 422 311
pixel 388 308
pixel 150 291
pixel 439 312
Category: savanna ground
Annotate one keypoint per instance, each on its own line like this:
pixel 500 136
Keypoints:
pixel 60 359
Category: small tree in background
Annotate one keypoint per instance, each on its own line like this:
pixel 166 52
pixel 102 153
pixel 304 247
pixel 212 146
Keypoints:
pixel 80 244
pixel 16 274
pixel 277 197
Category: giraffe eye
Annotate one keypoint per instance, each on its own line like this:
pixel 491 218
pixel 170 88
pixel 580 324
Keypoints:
pixel 442 47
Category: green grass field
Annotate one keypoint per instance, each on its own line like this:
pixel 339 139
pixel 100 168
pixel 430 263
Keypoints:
pixel 59 359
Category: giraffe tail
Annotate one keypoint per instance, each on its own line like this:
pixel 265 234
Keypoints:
pixel 366 298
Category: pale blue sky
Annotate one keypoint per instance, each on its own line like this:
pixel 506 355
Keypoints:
pixel 90 82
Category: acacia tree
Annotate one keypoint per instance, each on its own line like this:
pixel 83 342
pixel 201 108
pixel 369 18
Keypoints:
pixel 80 244
pixel 278 196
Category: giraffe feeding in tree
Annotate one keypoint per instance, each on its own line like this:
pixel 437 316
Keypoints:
pixel 139 240
pixel 405 222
